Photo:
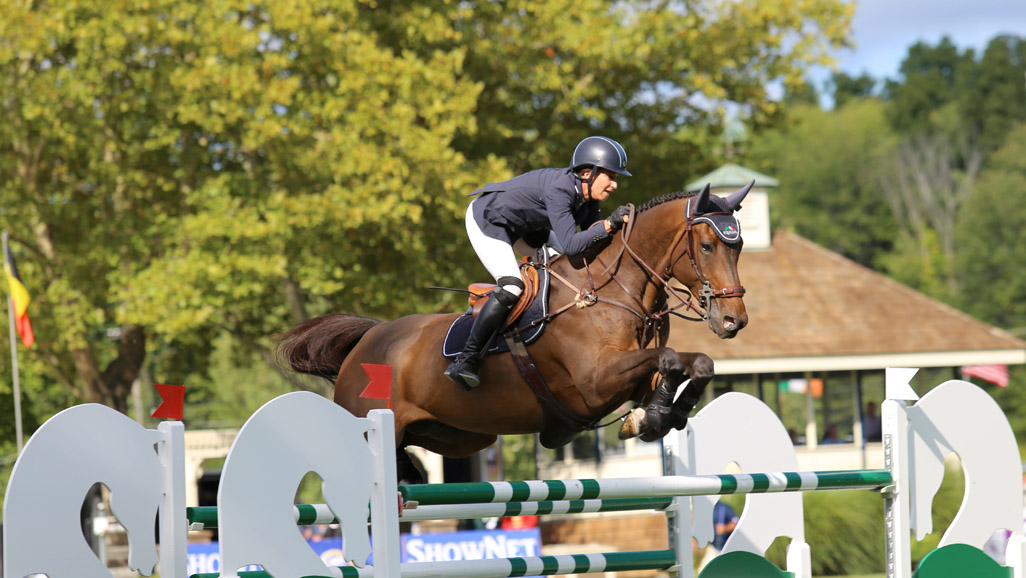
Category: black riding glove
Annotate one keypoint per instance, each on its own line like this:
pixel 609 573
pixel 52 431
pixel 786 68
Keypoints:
pixel 616 219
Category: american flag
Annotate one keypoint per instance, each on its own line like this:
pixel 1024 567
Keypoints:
pixel 996 374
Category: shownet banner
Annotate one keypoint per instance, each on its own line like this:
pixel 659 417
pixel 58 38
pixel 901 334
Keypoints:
pixel 447 546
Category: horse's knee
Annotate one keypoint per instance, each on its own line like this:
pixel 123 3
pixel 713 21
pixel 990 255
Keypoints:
pixel 671 367
pixel 702 368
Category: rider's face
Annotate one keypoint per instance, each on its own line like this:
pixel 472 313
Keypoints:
pixel 603 186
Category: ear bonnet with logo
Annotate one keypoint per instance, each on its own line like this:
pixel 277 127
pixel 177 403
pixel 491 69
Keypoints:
pixel 718 212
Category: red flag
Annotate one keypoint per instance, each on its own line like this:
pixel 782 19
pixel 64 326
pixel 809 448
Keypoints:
pixel 996 374
pixel 19 298
pixel 380 386
pixel 173 397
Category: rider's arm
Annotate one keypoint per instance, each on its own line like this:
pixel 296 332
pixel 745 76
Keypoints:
pixel 558 203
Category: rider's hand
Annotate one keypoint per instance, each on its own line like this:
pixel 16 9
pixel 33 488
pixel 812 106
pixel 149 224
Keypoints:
pixel 616 220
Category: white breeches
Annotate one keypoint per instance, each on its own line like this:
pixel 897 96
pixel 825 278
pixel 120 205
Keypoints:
pixel 496 255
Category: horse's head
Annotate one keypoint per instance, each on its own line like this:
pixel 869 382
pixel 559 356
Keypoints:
pixel 711 241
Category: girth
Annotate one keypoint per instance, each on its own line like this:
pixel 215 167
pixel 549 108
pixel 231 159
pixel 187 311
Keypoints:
pixel 541 389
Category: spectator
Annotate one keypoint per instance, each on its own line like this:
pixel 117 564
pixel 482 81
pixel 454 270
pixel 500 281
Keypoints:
pixel 871 430
pixel 831 436
pixel 724 522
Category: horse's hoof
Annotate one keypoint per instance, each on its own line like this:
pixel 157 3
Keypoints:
pixel 632 424
pixel 678 419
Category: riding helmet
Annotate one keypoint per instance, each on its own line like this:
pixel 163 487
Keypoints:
pixel 600 152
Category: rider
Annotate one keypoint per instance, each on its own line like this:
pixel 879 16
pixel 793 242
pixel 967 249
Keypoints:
pixel 552 201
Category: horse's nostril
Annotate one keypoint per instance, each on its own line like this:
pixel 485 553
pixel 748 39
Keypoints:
pixel 729 324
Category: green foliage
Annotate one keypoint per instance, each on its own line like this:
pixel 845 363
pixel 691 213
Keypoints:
pixel 828 163
pixel 233 387
pixel 929 78
pixel 987 92
pixel 518 457
pixel 920 265
pixel 802 94
pixel 845 532
pixel 554 72
pixel 845 529
pixel 847 88
pixel 990 243
pixel 993 100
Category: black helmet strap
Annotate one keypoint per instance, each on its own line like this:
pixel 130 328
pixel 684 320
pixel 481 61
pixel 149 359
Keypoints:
pixel 591 177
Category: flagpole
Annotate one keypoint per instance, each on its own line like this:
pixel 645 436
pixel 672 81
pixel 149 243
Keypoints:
pixel 14 361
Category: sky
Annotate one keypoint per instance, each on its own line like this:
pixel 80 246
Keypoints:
pixel 884 29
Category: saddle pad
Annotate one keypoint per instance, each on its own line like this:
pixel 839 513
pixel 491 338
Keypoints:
pixel 459 331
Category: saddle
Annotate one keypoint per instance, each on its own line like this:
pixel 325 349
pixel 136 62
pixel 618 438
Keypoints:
pixel 528 317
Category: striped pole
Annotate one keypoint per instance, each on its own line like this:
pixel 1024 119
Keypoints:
pixel 205 517
pixel 510 567
pixel 665 486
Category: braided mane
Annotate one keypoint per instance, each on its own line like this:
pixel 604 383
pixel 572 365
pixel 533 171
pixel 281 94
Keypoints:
pixel 665 199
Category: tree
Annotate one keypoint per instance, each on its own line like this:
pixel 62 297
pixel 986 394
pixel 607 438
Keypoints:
pixel 849 88
pixel 988 92
pixel 926 185
pixel 995 98
pixel 929 81
pixel 990 248
pixel 656 76
pixel 952 110
pixel 827 163
pixel 804 93
pixel 83 177
pixel 990 244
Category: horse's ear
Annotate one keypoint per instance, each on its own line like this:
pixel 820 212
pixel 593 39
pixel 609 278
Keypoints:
pixel 702 202
pixel 735 198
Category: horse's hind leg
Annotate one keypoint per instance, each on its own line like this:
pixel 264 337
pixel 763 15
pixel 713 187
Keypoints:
pixel 406 469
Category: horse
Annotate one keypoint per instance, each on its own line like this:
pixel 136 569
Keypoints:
pixel 594 355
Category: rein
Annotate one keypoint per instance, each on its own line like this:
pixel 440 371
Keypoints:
pixel 587 295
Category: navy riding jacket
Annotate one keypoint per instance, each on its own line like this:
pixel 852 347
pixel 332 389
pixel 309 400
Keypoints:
pixel 540 200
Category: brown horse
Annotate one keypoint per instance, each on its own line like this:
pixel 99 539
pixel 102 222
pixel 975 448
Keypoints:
pixel 594 358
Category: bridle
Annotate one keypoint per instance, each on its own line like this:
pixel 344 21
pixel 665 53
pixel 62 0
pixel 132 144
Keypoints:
pixel 706 293
pixel 587 296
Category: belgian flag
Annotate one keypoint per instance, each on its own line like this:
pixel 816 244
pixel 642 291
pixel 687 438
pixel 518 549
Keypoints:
pixel 19 298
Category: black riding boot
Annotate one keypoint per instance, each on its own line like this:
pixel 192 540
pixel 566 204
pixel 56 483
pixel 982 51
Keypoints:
pixel 466 368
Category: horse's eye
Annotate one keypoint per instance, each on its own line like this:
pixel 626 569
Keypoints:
pixel 707 247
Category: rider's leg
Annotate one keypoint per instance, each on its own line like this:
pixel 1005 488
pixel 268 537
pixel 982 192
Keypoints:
pixel 498 257
pixel 466 368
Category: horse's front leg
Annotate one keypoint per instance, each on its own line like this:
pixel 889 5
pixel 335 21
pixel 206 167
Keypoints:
pixel 661 414
pixel 700 369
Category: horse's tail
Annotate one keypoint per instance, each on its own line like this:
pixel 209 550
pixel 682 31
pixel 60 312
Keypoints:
pixel 320 345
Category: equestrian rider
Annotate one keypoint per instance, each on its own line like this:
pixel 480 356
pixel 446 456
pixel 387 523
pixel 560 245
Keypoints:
pixel 550 203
